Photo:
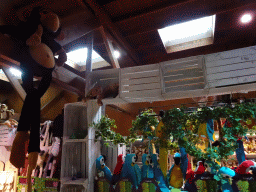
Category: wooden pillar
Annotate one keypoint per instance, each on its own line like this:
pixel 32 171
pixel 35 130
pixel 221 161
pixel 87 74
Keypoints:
pixel 89 63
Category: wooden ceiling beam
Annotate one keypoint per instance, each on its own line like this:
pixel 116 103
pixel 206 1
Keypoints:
pixel 121 110
pixel 52 103
pixel 68 87
pixel 106 22
pixel 178 13
pixel 110 48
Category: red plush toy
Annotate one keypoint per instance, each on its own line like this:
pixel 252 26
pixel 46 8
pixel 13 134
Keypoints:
pixel 245 166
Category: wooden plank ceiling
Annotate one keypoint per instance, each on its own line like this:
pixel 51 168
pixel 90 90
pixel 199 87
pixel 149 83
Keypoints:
pixel 131 26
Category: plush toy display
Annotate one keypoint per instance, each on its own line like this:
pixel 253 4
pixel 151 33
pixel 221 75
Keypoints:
pixel 158 174
pixel 147 169
pixel 35 48
pixel 118 169
pixel 245 167
pixel 102 168
pixel 131 170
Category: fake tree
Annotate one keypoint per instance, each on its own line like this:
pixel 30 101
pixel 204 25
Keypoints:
pixel 180 128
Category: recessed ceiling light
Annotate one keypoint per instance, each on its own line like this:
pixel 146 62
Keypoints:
pixel 246 18
pixel 187 35
pixel 116 54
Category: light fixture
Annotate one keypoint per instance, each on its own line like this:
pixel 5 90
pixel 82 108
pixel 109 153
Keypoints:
pixel 15 72
pixel 246 18
pixel 117 54
pixel 187 35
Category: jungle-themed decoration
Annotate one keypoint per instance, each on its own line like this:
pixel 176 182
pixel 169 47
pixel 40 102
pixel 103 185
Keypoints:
pixel 118 169
pixel 158 174
pixel 102 169
pixel 147 169
pixel 181 129
pixel 131 170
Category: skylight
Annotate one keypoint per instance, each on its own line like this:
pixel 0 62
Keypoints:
pixel 79 56
pixel 189 34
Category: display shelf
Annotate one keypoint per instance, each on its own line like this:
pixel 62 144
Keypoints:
pixel 75 140
pixel 69 181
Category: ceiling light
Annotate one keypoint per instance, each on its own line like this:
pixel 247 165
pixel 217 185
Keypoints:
pixel 246 18
pixel 15 72
pixel 189 34
pixel 116 54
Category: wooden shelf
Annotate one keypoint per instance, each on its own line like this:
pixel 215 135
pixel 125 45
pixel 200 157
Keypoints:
pixel 68 181
pixel 74 140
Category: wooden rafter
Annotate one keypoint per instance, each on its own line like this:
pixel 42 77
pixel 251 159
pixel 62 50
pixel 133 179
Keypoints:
pixel 52 103
pixel 174 14
pixel 68 87
pixel 121 110
pixel 15 83
pixel 110 48
pixel 106 22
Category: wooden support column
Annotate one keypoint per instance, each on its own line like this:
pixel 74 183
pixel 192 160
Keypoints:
pixel 110 48
pixel 89 63
pixel 14 82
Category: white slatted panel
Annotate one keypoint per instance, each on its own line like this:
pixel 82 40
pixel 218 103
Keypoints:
pixel 4 131
pixel 231 67
pixel 141 84
pixel 183 74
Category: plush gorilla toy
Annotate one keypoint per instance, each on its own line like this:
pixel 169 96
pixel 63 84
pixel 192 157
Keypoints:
pixel 34 48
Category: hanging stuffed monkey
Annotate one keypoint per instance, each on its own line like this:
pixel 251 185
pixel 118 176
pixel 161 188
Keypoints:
pixel 35 48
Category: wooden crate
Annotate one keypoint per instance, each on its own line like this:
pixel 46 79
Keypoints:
pixel 183 75
pixel 141 84
pixel 231 67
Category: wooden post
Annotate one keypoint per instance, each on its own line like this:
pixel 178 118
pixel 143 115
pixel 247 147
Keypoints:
pixel 110 48
pixel 89 63
pixel 220 130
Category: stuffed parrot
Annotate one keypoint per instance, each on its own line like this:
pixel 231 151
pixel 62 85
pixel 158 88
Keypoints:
pixel 158 174
pixel 240 155
pixel 131 170
pixel 147 169
pixel 178 171
pixel 206 130
pixel 101 167
pixel 227 173
pixel 118 169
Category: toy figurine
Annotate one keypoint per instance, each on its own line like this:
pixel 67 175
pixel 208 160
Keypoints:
pixel 101 167
pixel 158 174
pixel 131 170
pixel 147 169
pixel 227 174
pixel 118 169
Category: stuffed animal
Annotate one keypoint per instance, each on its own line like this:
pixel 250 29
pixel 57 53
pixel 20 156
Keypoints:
pixel 227 174
pixel 158 174
pixel 147 169
pixel 131 170
pixel 101 167
pixel 35 48
pixel 175 177
pixel 118 169
pixel 98 93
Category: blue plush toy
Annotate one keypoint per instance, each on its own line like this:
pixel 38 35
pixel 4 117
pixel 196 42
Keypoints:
pixel 158 174
pixel 131 170
pixel 101 167
pixel 147 169
pixel 226 173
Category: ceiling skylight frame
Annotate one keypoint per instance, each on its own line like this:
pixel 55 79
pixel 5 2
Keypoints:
pixel 188 35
